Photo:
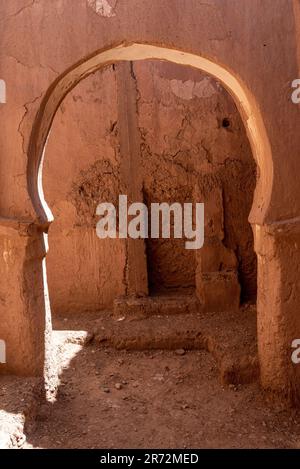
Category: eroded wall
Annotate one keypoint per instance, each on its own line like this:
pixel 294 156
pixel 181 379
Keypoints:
pixel 81 170
pixel 252 48
pixel 191 136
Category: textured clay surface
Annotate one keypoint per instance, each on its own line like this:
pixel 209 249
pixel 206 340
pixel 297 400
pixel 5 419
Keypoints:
pixel 192 143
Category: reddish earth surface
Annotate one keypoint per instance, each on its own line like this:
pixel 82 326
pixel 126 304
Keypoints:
pixel 165 400
pixel 112 396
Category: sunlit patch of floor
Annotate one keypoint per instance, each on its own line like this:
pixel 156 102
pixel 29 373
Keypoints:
pixel 17 396
pixel 66 344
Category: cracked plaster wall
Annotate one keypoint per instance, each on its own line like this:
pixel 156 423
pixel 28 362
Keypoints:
pixel 265 63
pixel 183 143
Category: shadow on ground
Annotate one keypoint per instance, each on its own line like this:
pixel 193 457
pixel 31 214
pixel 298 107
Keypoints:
pixel 109 398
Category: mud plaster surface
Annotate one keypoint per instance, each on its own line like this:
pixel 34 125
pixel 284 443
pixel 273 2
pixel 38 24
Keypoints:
pixel 192 142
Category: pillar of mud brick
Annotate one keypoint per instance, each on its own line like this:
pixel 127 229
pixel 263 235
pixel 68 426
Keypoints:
pixel 131 174
pixel 25 323
pixel 278 318
pixel 217 284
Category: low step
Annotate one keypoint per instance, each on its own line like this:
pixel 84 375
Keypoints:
pixel 155 306
pixel 230 337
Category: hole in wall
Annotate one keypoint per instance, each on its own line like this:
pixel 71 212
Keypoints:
pixel 225 122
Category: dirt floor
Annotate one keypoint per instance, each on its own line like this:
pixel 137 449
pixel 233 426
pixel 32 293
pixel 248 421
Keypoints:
pixel 112 395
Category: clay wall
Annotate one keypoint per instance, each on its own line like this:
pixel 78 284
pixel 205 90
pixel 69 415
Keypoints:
pixel 191 136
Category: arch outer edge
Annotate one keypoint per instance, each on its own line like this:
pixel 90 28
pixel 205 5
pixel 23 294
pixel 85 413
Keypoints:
pixel 55 94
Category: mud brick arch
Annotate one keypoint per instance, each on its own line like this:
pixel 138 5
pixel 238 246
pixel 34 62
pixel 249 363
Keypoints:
pixel 137 51
pixel 257 72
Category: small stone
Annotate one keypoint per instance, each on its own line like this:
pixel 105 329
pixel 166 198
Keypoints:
pixel 158 377
pixel 118 386
pixel 107 390
pixel 180 351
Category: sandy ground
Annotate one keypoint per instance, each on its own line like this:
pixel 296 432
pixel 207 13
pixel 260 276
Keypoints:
pixel 109 398
pixel 158 400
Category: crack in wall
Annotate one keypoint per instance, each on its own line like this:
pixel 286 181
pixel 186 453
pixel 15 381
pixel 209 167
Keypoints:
pixel 18 12
pixel 38 65
pixel 26 107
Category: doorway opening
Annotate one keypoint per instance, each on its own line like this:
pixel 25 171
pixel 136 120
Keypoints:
pixel 221 268
pixel 191 146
